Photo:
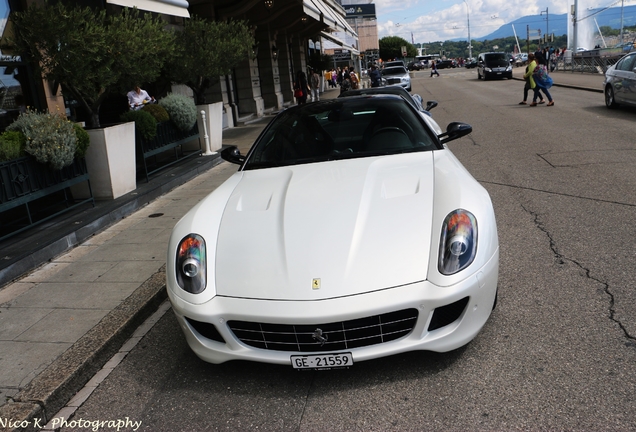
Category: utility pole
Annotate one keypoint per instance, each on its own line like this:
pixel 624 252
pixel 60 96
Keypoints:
pixel 547 22
pixel 470 45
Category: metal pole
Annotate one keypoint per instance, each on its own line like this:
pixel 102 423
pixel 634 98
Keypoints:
pixel 470 45
pixel 206 138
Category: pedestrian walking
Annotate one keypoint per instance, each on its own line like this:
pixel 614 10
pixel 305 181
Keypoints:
pixel 527 87
pixel 542 80
pixel 301 88
pixel 314 82
pixel 376 77
pixel 434 69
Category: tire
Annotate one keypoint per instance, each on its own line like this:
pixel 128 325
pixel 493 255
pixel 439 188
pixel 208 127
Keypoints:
pixel 610 99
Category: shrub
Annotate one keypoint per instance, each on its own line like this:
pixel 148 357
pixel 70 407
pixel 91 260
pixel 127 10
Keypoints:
pixel 145 123
pixel 83 141
pixel 181 109
pixel 157 111
pixel 50 138
pixel 11 145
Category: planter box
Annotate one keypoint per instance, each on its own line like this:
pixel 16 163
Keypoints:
pixel 169 137
pixel 111 161
pixel 25 180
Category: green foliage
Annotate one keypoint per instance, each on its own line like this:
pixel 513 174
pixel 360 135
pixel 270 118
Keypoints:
pixel 320 62
pixel 11 145
pixel 50 138
pixel 83 141
pixel 157 111
pixel 145 123
pixel 90 53
pixel 206 50
pixel 455 49
pixel 391 48
pixel 181 110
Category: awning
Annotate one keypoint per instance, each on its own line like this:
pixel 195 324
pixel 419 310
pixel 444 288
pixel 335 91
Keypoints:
pixel 167 7
pixel 339 42
pixel 319 11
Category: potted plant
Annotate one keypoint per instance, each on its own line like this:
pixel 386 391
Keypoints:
pixel 92 54
pixel 40 154
pixel 206 50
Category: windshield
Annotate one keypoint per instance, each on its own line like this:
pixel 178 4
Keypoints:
pixel 345 128
pixel 498 57
pixel 397 70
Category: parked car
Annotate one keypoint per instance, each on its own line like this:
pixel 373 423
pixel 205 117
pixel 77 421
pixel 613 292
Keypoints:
pixel 413 99
pixel 493 65
pixel 415 66
pixel 397 75
pixel 349 232
pixel 620 82
pixel 445 64
pixel 521 59
pixel 470 63
pixel 393 63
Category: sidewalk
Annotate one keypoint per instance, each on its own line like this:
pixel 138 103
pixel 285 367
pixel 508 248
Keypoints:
pixel 74 289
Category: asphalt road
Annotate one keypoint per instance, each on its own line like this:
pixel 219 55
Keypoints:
pixel 558 352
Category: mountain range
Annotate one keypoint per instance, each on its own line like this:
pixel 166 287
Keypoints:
pixel 558 23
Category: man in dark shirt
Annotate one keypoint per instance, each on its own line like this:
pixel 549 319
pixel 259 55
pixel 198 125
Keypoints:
pixel 376 76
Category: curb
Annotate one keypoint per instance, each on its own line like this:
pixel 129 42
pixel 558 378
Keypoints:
pixel 49 392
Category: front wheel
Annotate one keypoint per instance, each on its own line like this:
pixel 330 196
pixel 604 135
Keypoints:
pixel 610 100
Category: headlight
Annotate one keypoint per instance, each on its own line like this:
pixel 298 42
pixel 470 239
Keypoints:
pixel 488 69
pixel 458 243
pixel 191 264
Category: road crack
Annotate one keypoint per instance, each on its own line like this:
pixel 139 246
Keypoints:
pixel 561 259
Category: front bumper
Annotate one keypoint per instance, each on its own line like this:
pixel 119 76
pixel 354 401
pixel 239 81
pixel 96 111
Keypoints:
pixel 480 289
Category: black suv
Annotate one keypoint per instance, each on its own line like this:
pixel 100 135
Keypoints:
pixel 494 65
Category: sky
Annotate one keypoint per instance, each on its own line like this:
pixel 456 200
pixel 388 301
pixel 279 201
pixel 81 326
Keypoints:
pixel 440 20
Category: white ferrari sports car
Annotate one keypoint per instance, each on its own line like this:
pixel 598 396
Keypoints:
pixel 349 232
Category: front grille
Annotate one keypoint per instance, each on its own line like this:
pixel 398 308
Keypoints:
pixel 339 336
pixel 393 80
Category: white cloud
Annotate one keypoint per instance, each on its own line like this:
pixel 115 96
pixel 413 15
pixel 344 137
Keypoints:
pixel 443 21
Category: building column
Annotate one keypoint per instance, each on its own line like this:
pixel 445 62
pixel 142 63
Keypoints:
pixel 286 73
pixel 248 88
pixel 298 52
pixel 269 72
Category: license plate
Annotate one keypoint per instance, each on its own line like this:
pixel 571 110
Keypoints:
pixel 322 361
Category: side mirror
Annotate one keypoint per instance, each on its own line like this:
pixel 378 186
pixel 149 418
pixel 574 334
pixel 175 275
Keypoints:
pixel 430 105
pixel 233 155
pixel 455 130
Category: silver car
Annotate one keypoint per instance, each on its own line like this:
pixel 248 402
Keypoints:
pixel 620 82
pixel 397 75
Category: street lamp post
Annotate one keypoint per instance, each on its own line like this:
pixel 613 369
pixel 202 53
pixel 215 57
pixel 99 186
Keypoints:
pixel 470 45
pixel 547 24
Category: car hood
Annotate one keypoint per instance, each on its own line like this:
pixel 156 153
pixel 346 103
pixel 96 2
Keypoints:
pixel 325 230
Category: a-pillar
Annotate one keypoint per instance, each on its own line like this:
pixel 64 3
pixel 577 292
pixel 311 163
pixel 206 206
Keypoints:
pixel 270 72
pixel 248 88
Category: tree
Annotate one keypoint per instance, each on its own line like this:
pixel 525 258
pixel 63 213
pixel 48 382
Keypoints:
pixel 391 47
pixel 91 54
pixel 206 50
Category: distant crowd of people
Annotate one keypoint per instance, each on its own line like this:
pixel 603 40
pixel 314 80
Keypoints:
pixel 307 86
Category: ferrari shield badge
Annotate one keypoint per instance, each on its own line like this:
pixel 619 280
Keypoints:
pixel 315 284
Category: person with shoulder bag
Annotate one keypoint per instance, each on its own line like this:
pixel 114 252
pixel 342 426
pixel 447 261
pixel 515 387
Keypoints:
pixel 542 80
